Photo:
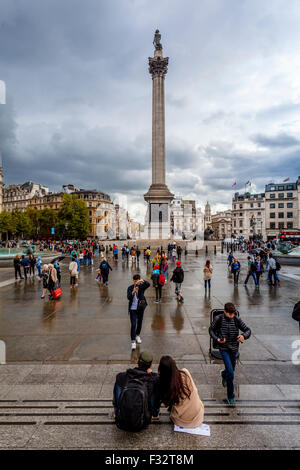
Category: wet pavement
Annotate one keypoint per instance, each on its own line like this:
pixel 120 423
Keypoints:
pixel 62 358
pixel 91 322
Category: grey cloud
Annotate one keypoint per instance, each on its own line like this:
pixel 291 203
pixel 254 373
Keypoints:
pixel 279 140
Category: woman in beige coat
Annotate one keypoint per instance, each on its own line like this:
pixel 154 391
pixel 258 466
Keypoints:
pixel 208 269
pixel 179 393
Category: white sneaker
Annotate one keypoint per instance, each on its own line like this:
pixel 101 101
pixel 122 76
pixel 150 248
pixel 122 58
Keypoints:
pixel 133 345
pixel 138 340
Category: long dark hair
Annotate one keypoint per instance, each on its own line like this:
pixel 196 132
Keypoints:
pixel 172 385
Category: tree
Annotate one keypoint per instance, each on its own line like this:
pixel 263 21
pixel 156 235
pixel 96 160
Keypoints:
pixel 73 218
pixel 23 225
pixel 6 223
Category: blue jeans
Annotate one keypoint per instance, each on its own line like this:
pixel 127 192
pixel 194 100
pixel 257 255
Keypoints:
pixel 116 395
pixel 229 359
pixel 89 261
pixel 251 273
pixel 207 282
pixel 136 319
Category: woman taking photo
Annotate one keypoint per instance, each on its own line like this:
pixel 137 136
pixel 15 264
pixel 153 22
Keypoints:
pixel 179 393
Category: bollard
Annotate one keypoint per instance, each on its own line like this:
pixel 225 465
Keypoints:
pixel 222 248
pixel 185 252
pixel 206 250
pixel 2 353
pixel 196 252
pixel 215 250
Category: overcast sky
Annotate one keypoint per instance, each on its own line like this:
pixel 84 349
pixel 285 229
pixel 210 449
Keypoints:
pixel 79 95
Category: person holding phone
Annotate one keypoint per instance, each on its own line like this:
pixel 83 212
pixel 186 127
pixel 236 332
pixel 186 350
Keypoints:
pixel 225 329
pixel 136 307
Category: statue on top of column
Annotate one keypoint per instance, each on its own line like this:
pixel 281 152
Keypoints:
pixel 156 41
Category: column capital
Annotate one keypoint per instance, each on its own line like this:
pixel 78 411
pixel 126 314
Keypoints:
pixel 158 66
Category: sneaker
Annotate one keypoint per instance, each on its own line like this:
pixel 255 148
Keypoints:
pixel 156 301
pixel 229 401
pixel 224 383
pixel 133 345
pixel 138 340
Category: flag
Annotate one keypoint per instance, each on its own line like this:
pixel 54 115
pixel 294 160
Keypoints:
pixel 248 182
pixel 286 179
pixel 234 185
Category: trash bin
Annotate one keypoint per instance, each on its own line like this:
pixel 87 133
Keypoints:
pixel 214 347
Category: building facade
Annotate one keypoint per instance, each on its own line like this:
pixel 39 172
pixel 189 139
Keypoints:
pixel 186 219
pixel 221 223
pixel 17 197
pixel 282 207
pixel 248 216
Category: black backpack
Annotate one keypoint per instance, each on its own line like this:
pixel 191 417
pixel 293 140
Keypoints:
pixel 278 267
pixel 133 412
pixel 296 312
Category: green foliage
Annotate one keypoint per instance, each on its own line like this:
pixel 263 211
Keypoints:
pixel 6 223
pixel 71 221
pixel 73 218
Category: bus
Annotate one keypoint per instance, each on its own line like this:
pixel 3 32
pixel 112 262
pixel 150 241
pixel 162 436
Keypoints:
pixel 292 236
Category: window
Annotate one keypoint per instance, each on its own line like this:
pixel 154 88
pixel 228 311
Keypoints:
pixel 280 188
pixel 251 205
pixel 289 205
pixel 234 206
pixel 241 214
pixel 272 206
pixel 259 213
pixel 272 225
pixel 289 186
pixel 281 205
pixel 241 223
pixel 290 195
pixel 241 231
pixel 241 206
pixel 281 195
pixel 290 225
pixel 234 223
pixel 281 225
pixel 281 215
pixel 290 215
pixel 272 215
pixel 258 204
pixel 272 196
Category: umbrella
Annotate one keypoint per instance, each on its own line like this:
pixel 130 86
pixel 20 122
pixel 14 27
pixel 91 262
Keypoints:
pixel 59 258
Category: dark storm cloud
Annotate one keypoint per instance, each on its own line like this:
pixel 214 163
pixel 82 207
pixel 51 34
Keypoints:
pixel 79 93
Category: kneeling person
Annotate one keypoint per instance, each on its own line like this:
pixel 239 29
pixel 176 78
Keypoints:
pixel 135 396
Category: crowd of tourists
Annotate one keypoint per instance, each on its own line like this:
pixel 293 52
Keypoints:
pixel 259 261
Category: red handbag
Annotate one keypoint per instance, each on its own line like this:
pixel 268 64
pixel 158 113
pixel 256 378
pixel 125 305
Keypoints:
pixel 56 293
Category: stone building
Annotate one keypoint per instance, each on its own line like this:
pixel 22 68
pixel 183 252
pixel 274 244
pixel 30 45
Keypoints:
pixel 19 196
pixel 248 216
pixel 221 224
pixel 186 219
pixel 282 207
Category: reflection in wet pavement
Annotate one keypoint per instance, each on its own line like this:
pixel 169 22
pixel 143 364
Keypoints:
pixel 91 323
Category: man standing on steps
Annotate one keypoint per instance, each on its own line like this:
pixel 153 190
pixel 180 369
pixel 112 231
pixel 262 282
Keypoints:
pixel 136 307
pixel 225 329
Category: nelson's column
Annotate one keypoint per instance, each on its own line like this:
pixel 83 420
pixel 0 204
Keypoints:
pixel 158 196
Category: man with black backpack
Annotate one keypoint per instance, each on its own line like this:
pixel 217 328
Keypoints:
pixel 225 330
pixel 135 396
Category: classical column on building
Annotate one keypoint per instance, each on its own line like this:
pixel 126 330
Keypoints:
pixel 158 196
